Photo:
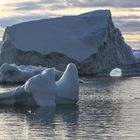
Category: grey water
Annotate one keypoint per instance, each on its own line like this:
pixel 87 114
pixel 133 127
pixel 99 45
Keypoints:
pixel 108 109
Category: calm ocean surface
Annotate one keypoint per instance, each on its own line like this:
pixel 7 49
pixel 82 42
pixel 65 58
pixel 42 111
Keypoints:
pixel 108 109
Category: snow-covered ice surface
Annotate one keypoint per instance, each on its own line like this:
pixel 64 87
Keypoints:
pixel 43 90
pixel 13 73
pixel 68 86
pixel 64 34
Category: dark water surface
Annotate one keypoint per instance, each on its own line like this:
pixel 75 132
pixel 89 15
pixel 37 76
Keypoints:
pixel 108 109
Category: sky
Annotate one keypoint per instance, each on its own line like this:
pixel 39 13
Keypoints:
pixel 125 13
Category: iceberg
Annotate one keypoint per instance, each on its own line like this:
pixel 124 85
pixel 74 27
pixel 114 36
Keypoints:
pixel 44 90
pixel 116 72
pixel 136 54
pixel 90 40
pixel 68 90
pixel 20 74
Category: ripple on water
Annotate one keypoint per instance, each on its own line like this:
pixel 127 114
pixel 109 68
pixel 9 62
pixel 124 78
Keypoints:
pixel 108 109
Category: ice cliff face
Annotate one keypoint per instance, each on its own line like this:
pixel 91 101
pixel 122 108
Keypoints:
pixel 90 40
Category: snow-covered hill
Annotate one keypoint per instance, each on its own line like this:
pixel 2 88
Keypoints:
pixel 89 40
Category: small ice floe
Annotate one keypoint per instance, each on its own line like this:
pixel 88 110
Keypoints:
pixel 116 72
pixel 44 90
pixel 13 73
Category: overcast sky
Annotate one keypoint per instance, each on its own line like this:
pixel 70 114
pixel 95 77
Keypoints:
pixel 126 13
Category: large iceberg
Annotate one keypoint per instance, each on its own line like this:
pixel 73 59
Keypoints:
pixel 89 40
pixel 44 90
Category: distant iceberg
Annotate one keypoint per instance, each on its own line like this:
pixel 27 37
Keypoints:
pixel 136 54
pixel 44 90
pixel 116 72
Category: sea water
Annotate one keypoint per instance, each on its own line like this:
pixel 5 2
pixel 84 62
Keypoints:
pixel 108 109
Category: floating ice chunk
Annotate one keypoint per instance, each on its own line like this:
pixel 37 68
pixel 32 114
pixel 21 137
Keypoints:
pixel 58 73
pixel 13 73
pixel 43 88
pixel 68 86
pixel 116 72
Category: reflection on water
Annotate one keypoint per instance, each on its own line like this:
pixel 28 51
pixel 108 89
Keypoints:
pixel 38 123
pixel 108 109
pixel 8 87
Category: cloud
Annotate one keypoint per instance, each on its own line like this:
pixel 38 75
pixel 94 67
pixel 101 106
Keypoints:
pixel 50 1
pixel 130 23
pixel 18 19
pixel 38 4
pixel 131 26
pixel 126 13
pixel 104 3
pixel 23 6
